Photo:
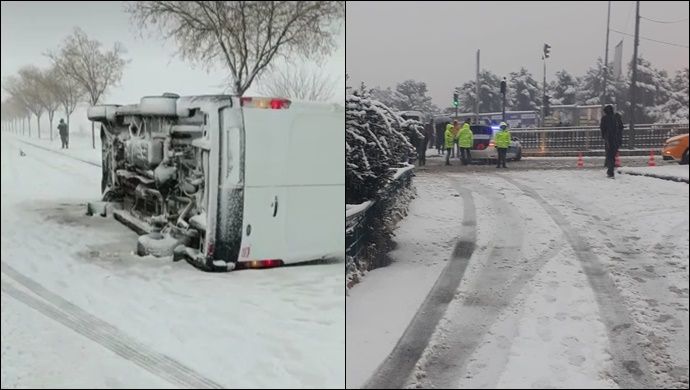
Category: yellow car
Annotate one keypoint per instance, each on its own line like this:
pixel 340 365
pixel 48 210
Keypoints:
pixel 676 148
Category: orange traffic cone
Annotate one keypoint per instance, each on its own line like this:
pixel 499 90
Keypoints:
pixel 580 162
pixel 618 160
pixel 651 162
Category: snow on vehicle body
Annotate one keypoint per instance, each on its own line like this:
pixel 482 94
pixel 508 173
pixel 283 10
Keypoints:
pixel 224 181
pixel 415 115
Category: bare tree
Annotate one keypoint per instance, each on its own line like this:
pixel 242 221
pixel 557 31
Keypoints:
pixel 244 35
pixel 48 84
pixel 12 112
pixel 17 113
pixel 25 87
pixel 69 93
pixel 298 83
pixel 95 70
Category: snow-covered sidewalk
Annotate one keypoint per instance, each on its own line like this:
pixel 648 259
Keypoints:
pixel 670 171
pixel 380 307
pixel 80 146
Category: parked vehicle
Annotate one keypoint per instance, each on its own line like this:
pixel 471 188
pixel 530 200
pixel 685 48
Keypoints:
pixel 416 115
pixel 484 147
pixel 676 148
pixel 226 182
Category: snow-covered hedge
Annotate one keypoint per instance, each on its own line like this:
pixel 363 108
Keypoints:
pixel 376 139
pixel 371 225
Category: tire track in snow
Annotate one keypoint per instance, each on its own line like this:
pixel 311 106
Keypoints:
pixel 657 344
pixel 101 332
pixel 630 368
pixel 499 282
pixel 400 363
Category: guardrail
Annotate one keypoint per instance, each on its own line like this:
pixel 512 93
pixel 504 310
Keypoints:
pixel 585 138
pixel 366 223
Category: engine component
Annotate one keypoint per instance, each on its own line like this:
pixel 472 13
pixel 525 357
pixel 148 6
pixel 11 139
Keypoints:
pixel 163 175
pixel 144 154
pixel 165 105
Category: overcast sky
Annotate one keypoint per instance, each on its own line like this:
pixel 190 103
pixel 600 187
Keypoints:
pixel 436 42
pixel 31 28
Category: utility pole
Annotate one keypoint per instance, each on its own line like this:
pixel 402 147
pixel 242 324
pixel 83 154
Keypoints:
pixel 634 76
pixel 606 58
pixel 476 103
pixel 543 96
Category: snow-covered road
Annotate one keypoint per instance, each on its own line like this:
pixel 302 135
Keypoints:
pixel 573 280
pixel 80 310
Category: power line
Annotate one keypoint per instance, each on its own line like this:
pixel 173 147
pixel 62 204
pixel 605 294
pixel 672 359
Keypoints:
pixel 660 21
pixel 650 39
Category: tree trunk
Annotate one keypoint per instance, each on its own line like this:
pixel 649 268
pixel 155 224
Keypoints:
pixel 38 123
pixel 51 128
pixel 93 135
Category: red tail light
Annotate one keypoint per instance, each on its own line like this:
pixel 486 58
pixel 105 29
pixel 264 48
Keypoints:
pixel 268 263
pixel 480 147
pixel 260 102
pixel 277 104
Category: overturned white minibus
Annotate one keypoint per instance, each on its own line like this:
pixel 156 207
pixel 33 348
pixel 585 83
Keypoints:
pixel 227 182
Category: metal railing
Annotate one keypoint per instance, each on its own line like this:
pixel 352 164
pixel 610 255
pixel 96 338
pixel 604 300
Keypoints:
pixel 584 138
pixel 361 227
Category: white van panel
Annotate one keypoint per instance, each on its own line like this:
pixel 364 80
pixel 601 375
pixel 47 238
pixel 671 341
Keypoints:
pixel 266 135
pixel 296 156
pixel 267 238
pixel 316 186
pixel 315 224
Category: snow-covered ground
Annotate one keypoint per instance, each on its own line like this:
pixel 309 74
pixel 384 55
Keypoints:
pixel 379 309
pixel 575 281
pixel 80 146
pixel 80 310
pixel 672 171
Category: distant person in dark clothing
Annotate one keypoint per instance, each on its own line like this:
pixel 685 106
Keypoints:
pixel 429 134
pixel 63 129
pixel 421 151
pixel 612 132
pixel 440 131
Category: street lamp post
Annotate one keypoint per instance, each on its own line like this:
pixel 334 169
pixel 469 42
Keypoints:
pixel 547 50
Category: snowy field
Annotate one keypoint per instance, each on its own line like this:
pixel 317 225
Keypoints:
pixel 574 281
pixel 80 310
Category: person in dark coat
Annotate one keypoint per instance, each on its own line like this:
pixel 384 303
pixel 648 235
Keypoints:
pixel 424 143
pixel 612 132
pixel 429 134
pixel 440 131
pixel 63 129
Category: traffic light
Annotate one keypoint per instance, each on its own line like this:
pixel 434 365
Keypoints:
pixel 456 102
pixel 503 86
pixel 547 105
pixel 547 50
